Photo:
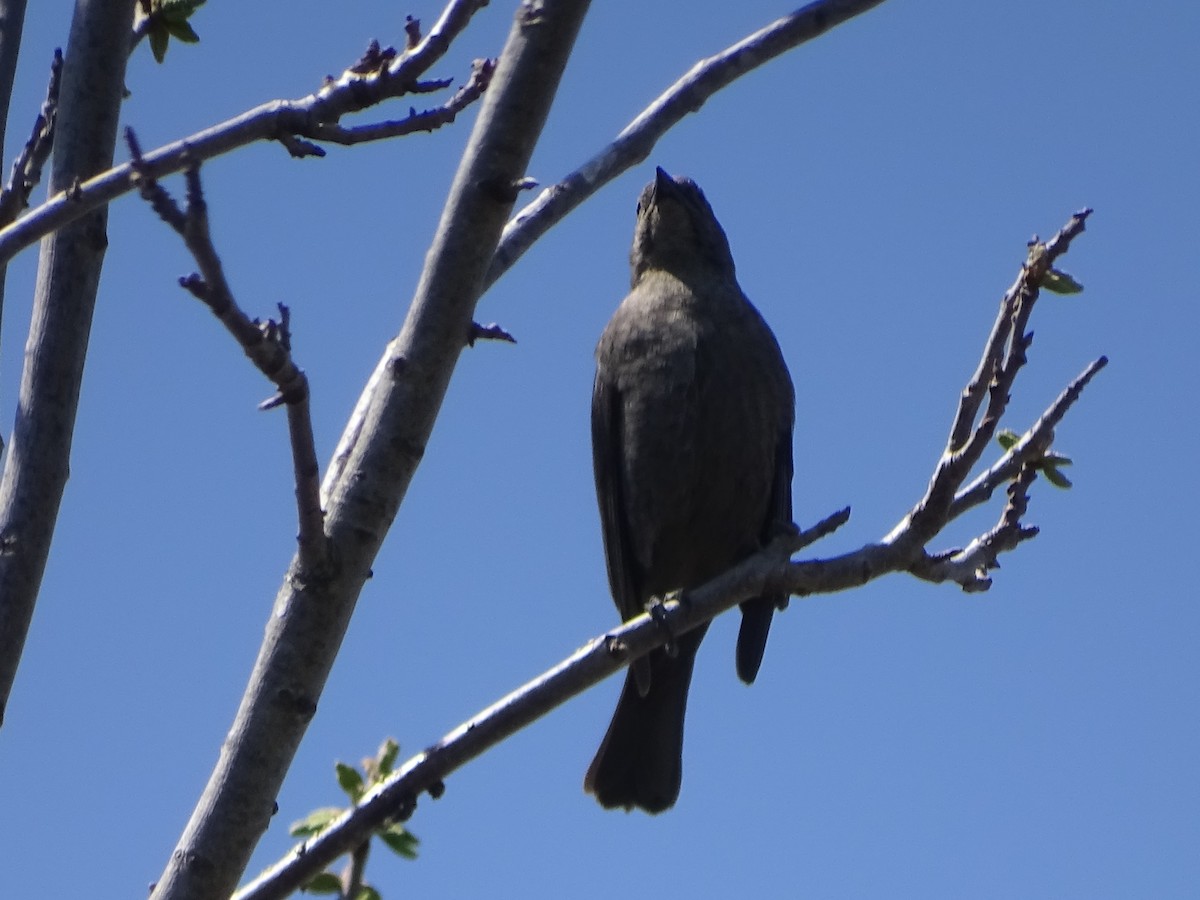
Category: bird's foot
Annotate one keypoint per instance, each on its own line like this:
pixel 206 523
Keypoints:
pixel 656 609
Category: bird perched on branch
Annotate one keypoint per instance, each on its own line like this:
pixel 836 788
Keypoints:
pixel 692 414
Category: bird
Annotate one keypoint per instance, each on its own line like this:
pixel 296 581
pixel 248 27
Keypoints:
pixel 693 410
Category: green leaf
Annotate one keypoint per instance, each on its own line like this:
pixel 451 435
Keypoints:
pixel 399 839
pixel 388 752
pixel 323 883
pixel 175 10
pixel 1007 439
pixel 183 31
pixel 350 781
pixel 366 892
pixel 1060 282
pixel 159 38
pixel 314 822
pixel 1055 477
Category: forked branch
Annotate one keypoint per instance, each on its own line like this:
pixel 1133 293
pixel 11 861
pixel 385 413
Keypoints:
pixel 268 344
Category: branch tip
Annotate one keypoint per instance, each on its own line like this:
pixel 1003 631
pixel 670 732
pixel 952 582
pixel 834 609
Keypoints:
pixel 490 332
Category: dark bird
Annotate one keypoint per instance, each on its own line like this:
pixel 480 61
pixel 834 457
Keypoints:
pixel 692 414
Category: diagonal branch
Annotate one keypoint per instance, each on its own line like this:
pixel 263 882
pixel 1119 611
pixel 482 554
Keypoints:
pixel 27 167
pixel 281 120
pixel 687 95
pixel 395 798
pixel 1033 444
pixel 311 614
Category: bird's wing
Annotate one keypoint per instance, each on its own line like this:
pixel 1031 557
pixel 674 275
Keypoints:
pixel 608 463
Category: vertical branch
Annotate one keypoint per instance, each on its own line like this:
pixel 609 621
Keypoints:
pixel 312 610
pixel 12 22
pixel 35 472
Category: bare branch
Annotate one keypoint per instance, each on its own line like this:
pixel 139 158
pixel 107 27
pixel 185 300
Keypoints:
pixel 267 344
pixel 395 798
pixel 638 138
pixel 271 121
pixel 428 120
pixel 35 470
pixel 27 168
pixel 1031 446
pixel 1003 357
pixel 311 614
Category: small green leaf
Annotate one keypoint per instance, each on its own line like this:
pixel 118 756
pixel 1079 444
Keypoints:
pixel 1057 459
pixel 1007 439
pixel 323 883
pixel 1055 477
pixel 183 31
pixel 176 10
pixel 314 822
pixel 350 781
pixel 399 839
pixel 366 892
pixel 1060 282
pixel 159 38
pixel 386 757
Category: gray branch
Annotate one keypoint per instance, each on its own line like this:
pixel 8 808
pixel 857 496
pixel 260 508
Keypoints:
pixel 267 344
pixel 282 120
pixel 35 471
pixel 687 95
pixel 311 613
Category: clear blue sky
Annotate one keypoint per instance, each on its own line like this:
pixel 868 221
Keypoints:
pixel 878 187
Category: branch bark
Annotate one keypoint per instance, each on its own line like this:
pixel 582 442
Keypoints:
pixel 312 610
pixel 35 472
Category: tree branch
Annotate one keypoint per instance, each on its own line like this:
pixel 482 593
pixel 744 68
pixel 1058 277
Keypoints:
pixel 267 344
pixel 1003 357
pixel 395 798
pixel 428 120
pixel 27 167
pixel 35 471
pixel 281 120
pixel 310 616
pixel 687 95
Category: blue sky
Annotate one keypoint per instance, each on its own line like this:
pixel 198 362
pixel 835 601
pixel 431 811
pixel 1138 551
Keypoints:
pixel 878 187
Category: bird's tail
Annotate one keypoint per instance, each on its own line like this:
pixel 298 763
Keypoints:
pixel 640 760
pixel 752 635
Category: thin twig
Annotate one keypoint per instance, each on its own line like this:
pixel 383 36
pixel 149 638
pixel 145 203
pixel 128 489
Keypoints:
pixel 1032 444
pixel 427 120
pixel 267 344
pixel 1003 357
pixel 27 167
